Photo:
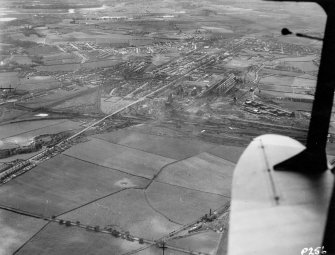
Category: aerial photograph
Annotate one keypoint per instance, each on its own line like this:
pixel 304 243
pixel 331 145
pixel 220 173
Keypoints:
pixel 122 122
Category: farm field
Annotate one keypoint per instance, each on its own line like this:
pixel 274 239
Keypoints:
pixel 203 172
pixel 64 183
pixel 128 210
pixel 180 204
pixel 131 210
pixel 173 147
pixel 119 157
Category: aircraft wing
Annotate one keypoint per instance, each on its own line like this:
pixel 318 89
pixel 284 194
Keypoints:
pixel 275 212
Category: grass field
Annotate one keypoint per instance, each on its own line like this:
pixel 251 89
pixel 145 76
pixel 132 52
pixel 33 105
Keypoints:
pixel 63 183
pixel 161 145
pixel 115 156
pixel 180 204
pixel 203 172
pixel 15 230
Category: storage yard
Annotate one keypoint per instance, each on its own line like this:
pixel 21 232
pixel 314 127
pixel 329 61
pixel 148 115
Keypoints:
pixel 121 122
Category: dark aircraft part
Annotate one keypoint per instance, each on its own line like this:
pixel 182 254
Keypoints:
pixel 313 159
pixel 305 162
pixel 286 31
